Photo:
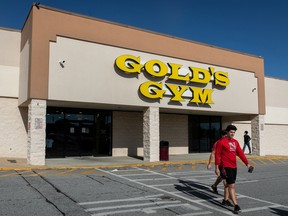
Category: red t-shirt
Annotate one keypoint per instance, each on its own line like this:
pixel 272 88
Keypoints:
pixel 226 152
pixel 215 145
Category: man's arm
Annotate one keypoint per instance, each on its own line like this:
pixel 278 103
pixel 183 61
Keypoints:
pixel 218 157
pixel 241 155
pixel 212 155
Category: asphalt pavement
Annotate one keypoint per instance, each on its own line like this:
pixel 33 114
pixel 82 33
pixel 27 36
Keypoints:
pixel 174 188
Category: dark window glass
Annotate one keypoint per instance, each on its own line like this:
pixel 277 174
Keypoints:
pixel 204 131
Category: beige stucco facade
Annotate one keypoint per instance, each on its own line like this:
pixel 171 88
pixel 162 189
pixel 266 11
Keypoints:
pixel 64 66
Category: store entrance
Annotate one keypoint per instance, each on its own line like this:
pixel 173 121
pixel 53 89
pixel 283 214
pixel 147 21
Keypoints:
pixel 204 131
pixel 75 132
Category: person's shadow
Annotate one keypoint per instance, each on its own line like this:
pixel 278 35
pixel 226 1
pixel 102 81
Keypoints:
pixel 194 189
pixel 279 212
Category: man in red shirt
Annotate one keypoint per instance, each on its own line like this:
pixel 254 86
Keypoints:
pixel 226 151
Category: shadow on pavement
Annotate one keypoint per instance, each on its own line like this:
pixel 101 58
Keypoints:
pixel 280 212
pixel 194 189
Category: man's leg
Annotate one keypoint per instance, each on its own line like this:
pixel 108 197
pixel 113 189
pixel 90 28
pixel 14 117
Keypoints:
pixel 214 186
pixel 226 201
pixel 226 190
pixel 249 148
pixel 218 180
pixel 244 147
pixel 232 193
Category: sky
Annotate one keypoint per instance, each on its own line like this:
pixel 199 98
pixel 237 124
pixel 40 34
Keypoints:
pixel 256 27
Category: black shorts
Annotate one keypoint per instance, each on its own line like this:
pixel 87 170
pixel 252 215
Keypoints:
pixel 229 174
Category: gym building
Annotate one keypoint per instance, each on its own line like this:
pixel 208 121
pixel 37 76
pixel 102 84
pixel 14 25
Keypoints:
pixel 74 86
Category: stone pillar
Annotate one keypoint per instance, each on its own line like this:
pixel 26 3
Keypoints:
pixel 151 134
pixel 257 128
pixel 36 132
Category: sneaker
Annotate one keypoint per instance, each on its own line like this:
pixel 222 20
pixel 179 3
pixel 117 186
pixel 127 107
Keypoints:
pixel 214 189
pixel 237 209
pixel 227 203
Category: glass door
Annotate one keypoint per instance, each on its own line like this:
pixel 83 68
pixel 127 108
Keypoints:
pixel 78 132
pixel 204 131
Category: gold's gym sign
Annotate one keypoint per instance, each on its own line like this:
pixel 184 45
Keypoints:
pixel 158 69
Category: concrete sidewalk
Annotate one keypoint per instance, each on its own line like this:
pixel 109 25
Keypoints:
pixel 102 162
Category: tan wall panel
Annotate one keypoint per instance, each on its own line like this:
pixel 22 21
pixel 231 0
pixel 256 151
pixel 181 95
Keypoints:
pixel 10 47
pixel 13 136
pixel 127 133
pixel 174 129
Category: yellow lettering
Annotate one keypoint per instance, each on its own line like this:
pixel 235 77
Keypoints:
pixel 129 64
pixel 221 78
pixel 201 96
pixel 163 69
pixel 196 75
pixel 152 90
pixel 177 91
pixel 175 73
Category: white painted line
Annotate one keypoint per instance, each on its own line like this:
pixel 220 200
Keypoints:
pixel 131 205
pixel 125 170
pixel 139 174
pixel 186 198
pixel 199 176
pixel 219 198
pixel 244 182
pixel 264 201
pixel 155 179
pixel 167 192
pixel 170 184
pixel 208 181
pixel 238 195
pixel 188 172
pixel 151 197
pixel 261 208
pixel 197 213
pixel 146 210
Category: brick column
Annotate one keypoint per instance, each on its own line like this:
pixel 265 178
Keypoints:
pixel 151 134
pixel 36 132
pixel 257 128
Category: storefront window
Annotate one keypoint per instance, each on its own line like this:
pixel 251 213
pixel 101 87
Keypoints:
pixel 77 132
pixel 203 132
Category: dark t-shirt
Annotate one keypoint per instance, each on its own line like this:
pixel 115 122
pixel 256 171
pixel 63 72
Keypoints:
pixel 246 138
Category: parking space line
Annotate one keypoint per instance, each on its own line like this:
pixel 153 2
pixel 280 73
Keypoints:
pixel 188 172
pixel 272 160
pixel 168 192
pixel 122 200
pixel 138 174
pixel 281 161
pixel 202 202
pixel 65 172
pixel 199 176
pixel 263 162
pixel 154 179
pixel 261 208
pixel 147 210
pixel 197 213
pixel 16 173
pixel 88 172
pixel 131 205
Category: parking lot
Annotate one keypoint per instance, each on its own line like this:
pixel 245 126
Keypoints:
pixel 145 190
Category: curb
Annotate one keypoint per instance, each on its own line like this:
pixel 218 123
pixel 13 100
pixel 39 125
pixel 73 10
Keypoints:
pixel 149 164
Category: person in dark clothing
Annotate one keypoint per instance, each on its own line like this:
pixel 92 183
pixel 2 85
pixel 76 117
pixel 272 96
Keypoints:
pixel 247 139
